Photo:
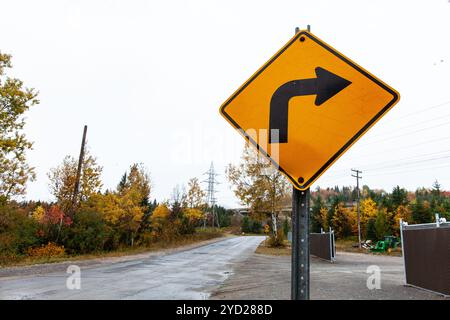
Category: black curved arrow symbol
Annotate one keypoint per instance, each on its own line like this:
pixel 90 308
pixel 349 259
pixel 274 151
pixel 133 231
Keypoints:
pixel 325 86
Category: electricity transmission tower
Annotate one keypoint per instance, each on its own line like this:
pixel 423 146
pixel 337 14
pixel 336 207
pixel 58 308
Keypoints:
pixel 210 195
pixel 357 176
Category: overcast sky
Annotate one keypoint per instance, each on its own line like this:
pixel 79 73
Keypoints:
pixel 148 78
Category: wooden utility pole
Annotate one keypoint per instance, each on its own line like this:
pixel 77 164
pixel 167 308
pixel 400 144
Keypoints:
pixel 78 177
pixel 357 176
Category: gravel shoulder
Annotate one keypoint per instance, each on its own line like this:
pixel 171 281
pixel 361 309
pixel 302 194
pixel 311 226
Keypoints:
pixel 268 277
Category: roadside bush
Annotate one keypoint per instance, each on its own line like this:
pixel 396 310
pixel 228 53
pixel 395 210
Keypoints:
pixel 189 220
pixel 88 233
pixel 278 241
pixel 48 251
pixel 18 232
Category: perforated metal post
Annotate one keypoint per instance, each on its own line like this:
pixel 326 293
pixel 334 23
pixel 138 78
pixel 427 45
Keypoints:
pixel 300 245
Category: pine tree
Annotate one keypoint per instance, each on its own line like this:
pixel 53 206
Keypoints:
pixel 381 224
pixel 316 219
pixel 371 233
pixel 421 212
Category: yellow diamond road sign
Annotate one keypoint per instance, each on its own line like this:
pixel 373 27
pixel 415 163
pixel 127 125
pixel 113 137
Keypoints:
pixel 306 106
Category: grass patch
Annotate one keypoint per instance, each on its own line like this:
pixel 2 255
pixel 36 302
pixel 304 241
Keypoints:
pixel 200 235
pixel 263 248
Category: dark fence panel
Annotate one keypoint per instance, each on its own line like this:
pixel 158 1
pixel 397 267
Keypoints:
pixel 322 245
pixel 427 257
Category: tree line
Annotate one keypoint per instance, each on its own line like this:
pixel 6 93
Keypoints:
pixel 266 192
pixel 95 220
pixel 380 211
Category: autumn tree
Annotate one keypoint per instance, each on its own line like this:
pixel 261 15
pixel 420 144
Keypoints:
pixel 162 223
pixel 15 100
pixel 195 197
pixel 122 212
pixel 324 218
pixel 136 183
pixel 259 185
pixel 403 212
pixel 368 210
pixel 316 218
pixel 195 202
pixel 62 180
pixel 341 221
pixel 51 220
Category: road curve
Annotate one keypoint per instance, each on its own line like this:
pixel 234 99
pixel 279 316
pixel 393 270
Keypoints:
pixel 190 274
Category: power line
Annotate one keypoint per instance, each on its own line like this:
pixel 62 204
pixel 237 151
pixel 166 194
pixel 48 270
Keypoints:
pixel 407 133
pixel 413 125
pixel 366 155
pixel 372 174
pixel 427 109
pixel 408 163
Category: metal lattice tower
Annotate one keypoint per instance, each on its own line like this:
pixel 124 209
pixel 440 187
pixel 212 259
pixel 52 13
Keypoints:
pixel 211 199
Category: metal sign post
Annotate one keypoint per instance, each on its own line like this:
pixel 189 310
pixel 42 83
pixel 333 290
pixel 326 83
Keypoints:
pixel 300 245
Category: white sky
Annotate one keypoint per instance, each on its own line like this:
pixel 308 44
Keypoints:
pixel 148 78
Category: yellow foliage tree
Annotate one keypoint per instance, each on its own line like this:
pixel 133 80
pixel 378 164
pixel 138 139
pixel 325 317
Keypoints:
pixel 159 220
pixel 368 210
pixel 120 211
pixel 193 215
pixel 38 214
pixel 341 221
pixel 403 212
pixel 324 218
pixel 353 219
pixel 259 185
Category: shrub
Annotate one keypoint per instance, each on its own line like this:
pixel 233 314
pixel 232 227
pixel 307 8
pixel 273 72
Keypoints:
pixel 88 233
pixel 18 232
pixel 49 250
pixel 278 241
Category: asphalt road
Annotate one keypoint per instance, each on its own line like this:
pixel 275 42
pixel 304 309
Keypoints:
pixel 222 269
pixel 189 274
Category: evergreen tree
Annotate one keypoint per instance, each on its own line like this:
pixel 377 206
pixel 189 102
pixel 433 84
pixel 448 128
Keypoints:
pixel 421 212
pixel 122 183
pixel 371 233
pixel 399 197
pixel 316 219
pixel 381 224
